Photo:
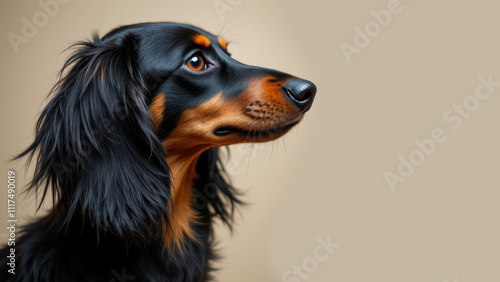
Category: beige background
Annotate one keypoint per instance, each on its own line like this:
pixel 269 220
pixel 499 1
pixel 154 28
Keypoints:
pixel 326 178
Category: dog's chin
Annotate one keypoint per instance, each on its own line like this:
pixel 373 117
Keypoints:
pixel 238 134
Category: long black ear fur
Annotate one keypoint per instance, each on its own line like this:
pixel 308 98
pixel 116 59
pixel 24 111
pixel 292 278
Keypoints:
pixel 95 146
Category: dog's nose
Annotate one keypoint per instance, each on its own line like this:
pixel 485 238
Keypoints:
pixel 301 92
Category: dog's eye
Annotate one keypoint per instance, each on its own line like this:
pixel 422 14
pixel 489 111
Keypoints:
pixel 196 63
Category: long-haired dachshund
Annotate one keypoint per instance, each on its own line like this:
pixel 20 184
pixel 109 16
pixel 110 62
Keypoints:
pixel 128 147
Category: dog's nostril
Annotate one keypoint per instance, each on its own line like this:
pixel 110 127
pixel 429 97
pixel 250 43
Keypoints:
pixel 301 92
pixel 306 96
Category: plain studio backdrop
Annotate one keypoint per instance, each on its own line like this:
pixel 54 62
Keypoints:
pixel 396 164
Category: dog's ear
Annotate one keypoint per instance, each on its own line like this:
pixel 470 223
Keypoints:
pixel 96 146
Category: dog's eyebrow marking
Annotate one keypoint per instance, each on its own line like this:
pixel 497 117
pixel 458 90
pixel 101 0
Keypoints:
pixel 222 42
pixel 201 40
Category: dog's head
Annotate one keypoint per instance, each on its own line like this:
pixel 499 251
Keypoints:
pixel 201 97
pixel 143 92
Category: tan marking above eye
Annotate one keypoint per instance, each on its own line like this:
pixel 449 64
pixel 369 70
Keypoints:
pixel 201 40
pixel 222 42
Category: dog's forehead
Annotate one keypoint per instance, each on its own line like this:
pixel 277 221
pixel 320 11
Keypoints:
pixel 169 35
pixel 174 41
pixel 200 37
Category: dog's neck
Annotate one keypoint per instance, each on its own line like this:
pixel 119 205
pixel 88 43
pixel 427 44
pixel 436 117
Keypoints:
pixel 182 216
pixel 182 158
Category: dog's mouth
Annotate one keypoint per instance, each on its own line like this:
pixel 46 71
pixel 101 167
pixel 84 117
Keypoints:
pixel 260 134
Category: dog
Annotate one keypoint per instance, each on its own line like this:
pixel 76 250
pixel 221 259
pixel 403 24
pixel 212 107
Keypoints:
pixel 128 150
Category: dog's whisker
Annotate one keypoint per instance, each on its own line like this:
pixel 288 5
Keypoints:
pixel 256 120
